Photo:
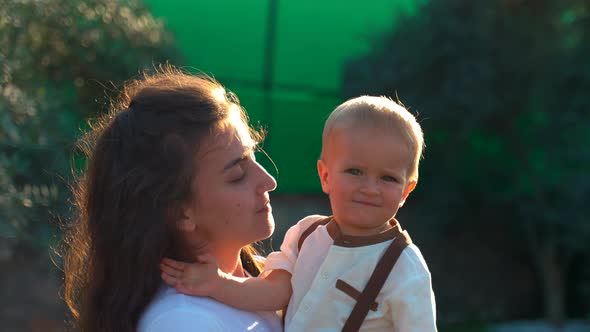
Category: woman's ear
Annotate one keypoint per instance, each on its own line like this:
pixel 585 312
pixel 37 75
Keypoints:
pixel 323 174
pixel 185 221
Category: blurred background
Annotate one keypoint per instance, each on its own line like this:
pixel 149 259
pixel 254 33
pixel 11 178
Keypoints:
pixel 500 87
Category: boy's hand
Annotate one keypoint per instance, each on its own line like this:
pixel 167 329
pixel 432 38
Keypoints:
pixel 199 279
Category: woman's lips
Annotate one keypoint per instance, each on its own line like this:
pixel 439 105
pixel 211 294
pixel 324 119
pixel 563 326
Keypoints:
pixel 264 209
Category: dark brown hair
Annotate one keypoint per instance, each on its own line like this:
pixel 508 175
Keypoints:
pixel 141 160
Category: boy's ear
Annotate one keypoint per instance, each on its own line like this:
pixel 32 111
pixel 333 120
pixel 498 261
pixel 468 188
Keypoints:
pixel 407 190
pixel 323 174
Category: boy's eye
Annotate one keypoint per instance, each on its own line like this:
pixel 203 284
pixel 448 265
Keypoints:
pixel 354 171
pixel 388 178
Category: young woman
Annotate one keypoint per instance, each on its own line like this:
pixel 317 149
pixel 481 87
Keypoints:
pixel 171 173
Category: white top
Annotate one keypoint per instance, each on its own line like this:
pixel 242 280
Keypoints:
pixel 171 311
pixel 405 303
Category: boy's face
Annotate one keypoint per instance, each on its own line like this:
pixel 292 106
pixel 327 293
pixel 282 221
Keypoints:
pixel 364 171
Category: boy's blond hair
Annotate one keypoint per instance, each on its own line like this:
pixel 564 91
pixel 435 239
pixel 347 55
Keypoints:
pixel 381 113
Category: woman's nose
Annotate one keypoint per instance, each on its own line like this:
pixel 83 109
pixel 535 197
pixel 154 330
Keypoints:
pixel 267 182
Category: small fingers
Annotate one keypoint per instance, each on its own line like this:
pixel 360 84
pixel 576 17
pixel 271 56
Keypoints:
pixel 171 271
pixel 173 263
pixel 169 280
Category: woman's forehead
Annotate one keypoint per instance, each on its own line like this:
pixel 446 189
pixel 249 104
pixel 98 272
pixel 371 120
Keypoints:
pixel 233 136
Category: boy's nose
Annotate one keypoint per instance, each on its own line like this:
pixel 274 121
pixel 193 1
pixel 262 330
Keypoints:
pixel 369 187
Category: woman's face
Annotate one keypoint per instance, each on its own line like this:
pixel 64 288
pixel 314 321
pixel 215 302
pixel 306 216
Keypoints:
pixel 231 206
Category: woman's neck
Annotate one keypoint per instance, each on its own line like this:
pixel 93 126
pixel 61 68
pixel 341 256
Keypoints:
pixel 228 259
pixel 230 263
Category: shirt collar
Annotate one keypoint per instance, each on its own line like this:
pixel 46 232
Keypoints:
pixel 350 241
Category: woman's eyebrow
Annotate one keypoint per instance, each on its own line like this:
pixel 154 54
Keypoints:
pixel 236 161
pixel 233 162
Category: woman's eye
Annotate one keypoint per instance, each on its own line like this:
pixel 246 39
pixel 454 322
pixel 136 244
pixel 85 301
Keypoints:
pixel 238 178
pixel 388 178
pixel 353 171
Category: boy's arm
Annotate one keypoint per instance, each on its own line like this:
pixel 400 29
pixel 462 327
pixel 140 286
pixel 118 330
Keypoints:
pixel 272 289
pixel 271 292
pixel 412 305
pixel 204 279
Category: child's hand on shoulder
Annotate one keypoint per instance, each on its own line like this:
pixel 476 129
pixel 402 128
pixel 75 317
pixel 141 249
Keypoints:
pixel 198 279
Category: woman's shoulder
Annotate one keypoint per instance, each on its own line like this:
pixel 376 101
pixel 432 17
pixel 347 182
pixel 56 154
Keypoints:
pixel 172 311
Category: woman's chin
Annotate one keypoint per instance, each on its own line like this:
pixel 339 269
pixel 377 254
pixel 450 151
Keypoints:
pixel 269 229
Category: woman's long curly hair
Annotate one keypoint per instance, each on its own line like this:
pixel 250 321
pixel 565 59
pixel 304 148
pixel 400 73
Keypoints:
pixel 140 166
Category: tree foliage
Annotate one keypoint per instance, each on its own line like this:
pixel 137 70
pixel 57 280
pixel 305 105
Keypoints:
pixel 60 61
pixel 502 88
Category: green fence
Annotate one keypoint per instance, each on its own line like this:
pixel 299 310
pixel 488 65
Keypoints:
pixel 284 60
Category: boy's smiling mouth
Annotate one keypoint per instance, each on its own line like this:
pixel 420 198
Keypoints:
pixel 367 203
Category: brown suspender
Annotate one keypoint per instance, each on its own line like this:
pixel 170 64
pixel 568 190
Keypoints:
pixel 377 279
pixel 376 282
pixel 310 230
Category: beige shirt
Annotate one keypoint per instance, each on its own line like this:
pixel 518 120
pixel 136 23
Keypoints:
pixel 405 303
